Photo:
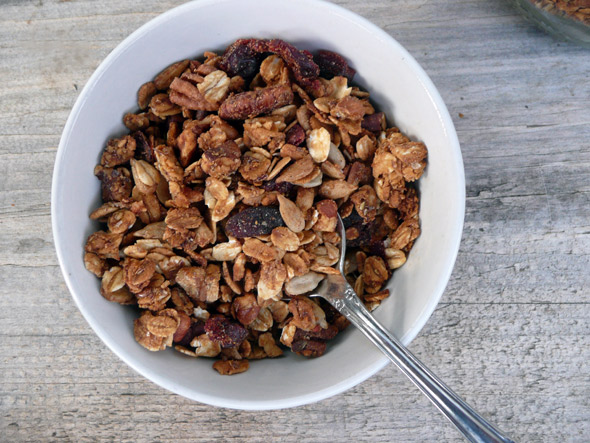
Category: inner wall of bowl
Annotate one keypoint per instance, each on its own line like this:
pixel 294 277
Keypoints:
pixel 383 68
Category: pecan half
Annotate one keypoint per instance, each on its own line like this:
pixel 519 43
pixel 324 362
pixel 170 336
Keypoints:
pixel 187 95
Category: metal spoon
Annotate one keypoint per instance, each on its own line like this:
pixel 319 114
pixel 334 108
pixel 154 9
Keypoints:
pixel 336 291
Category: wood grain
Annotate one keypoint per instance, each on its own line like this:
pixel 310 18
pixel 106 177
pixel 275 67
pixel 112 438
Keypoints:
pixel 511 334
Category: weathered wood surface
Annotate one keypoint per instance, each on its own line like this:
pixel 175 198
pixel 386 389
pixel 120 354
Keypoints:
pixel 511 334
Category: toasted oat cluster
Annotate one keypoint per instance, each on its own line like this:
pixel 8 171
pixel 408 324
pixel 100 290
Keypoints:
pixel 220 205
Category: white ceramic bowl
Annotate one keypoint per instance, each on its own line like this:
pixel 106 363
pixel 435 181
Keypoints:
pixel 398 86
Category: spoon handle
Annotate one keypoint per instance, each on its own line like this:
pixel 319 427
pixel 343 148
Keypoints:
pixel 474 427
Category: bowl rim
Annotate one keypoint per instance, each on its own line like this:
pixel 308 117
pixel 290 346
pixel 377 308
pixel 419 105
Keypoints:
pixel 368 371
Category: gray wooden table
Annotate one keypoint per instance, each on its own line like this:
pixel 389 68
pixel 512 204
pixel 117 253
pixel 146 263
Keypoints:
pixel 512 331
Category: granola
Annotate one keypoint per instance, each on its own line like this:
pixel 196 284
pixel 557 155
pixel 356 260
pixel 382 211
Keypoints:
pixel 220 206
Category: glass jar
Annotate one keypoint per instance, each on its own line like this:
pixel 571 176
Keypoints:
pixel 564 19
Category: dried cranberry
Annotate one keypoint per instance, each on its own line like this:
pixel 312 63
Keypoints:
pixel 377 247
pixel 196 329
pixel 240 59
pixel 330 311
pixel 225 332
pixel 374 122
pixel 365 230
pixel 284 188
pixel 332 64
pixel 296 135
pixel 251 222
pixel 143 150
pixel 352 220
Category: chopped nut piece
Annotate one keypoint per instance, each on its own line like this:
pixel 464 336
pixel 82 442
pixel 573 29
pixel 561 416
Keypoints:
pixel 327 216
pixel 185 94
pixel 395 258
pixel 293 152
pixel 359 174
pixel 245 309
